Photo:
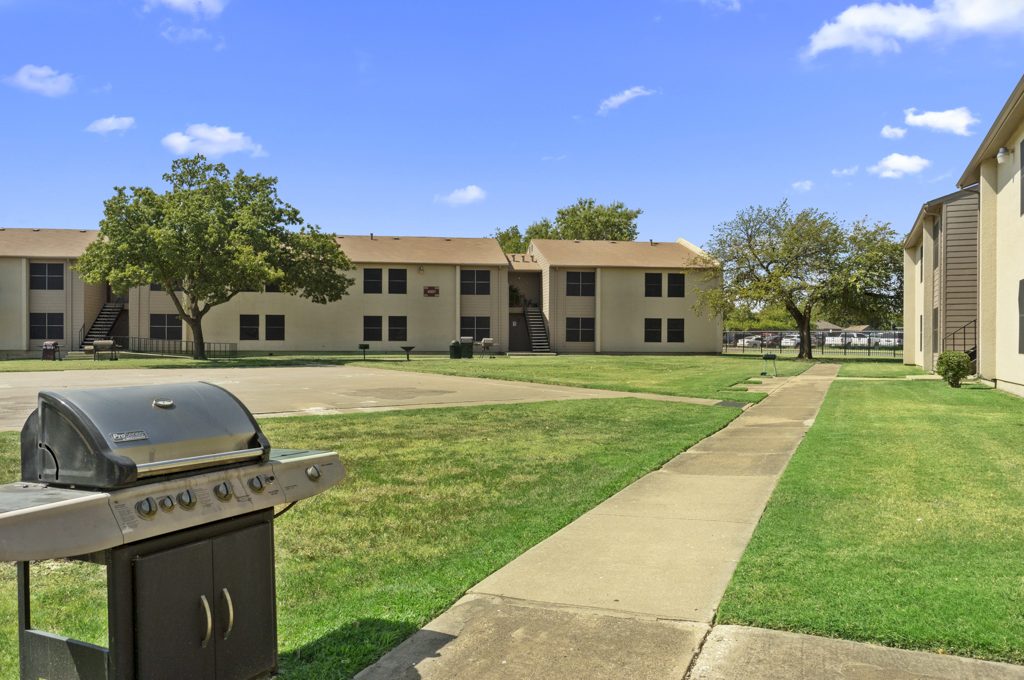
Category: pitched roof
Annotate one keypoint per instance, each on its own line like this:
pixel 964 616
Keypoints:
pixel 523 262
pixel 55 243
pixel 1008 120
pixel 422 250
pixel 933 207
pixel 648 254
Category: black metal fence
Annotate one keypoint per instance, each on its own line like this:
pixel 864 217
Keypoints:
pixel 183 348
pixel 823 343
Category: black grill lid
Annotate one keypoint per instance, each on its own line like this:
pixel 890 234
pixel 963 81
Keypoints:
pixel 111 437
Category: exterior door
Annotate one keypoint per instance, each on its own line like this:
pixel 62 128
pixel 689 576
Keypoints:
pixel 174 625
pixel 246 617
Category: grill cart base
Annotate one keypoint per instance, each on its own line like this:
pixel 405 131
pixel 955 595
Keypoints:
pixel 197 604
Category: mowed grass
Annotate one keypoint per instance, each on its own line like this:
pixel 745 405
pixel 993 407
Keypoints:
pixel 900 521
pixel 435 501
pixel 708 376
pixel 862 368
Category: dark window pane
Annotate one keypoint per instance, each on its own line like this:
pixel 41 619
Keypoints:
pixel 396 281
pixel 674 330
pixel 677 285
pixel 155 287
pixel 476 327
pixel 273 288
pixel 373 281
pixel 37 326
pixel 580 284
pixel 652 330
pixel 652 285
pixel 579 329
pixel 397 328
pixel 372 328
pixel 249 327
pixel 46 276
pixel 43 326
pixel 475 282
pixel 274 326
pixel 157 326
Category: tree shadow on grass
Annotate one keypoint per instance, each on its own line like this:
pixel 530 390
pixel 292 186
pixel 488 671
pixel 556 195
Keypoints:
pixel 347 650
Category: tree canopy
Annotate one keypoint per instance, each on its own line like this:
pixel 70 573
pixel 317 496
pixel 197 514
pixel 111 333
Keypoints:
pixel 806 262
pixel 211 236
pixel 584 220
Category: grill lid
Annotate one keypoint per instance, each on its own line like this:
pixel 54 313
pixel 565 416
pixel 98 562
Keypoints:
pixel 111 437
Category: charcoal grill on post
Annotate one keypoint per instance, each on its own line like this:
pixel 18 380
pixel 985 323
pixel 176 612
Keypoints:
pixel 172 488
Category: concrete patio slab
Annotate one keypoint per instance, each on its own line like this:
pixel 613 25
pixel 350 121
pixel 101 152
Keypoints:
pixel 741 653
pixel 490 639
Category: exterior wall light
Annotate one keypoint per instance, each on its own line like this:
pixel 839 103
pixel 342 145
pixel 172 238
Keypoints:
pixel 1003 155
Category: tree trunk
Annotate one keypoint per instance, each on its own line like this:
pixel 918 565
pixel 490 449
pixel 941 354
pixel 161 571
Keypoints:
pixel 198 345
pixel 805 338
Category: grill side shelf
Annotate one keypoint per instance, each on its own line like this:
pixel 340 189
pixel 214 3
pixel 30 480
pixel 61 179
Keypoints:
pixel 38 522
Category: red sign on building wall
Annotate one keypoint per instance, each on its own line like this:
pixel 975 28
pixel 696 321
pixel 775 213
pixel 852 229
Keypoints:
pixel 431 291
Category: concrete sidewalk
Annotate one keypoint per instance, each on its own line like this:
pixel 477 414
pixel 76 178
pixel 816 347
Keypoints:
pixel 630 589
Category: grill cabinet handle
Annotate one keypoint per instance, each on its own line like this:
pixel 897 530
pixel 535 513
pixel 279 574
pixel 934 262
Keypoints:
pixel 231 612
pixel 209 621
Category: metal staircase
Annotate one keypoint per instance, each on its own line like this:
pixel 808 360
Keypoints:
pixel 964 339
pixel 539 342
pixel 105 320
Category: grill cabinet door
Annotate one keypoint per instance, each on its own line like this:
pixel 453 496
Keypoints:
pixel 171 620
pixel 243 566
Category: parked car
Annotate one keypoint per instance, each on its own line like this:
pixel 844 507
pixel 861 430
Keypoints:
pixel 790 341
pixel 890 339
pixel 771 340
pixel 836 340
pixel 749 341
pixel 861 340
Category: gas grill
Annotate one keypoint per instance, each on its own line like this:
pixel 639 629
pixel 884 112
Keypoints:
pixel 172 488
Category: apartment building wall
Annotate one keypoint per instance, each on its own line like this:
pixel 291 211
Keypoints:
pixel 14 303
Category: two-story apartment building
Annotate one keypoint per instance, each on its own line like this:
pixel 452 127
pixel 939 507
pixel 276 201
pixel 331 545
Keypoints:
pixel 565 296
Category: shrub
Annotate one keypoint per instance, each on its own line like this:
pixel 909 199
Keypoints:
pixel 954 367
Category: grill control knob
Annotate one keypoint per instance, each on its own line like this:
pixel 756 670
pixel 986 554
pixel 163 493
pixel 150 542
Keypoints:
pixel 313 472
pixel 223 491
pixel 256 484
pixel 187 499
pixel 146 508
pixel 167 504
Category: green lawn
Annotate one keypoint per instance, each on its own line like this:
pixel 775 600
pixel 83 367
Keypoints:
pixel 435 500
pixel 877 369
pixel 900 520
pixel 709 376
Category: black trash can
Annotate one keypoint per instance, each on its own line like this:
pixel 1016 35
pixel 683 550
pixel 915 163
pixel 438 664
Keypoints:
pixel 455 350
pixel 467 346
pixel 51 351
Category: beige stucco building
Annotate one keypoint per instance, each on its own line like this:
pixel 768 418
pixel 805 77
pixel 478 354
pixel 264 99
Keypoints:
pixel 562 296
pixel 988 256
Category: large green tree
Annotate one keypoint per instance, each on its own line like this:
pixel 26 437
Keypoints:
pixel 210 236
pixel 806 262
pixel 584 220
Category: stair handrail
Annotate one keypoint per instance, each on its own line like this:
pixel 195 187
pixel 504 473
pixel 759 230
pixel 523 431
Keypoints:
pixel 969 327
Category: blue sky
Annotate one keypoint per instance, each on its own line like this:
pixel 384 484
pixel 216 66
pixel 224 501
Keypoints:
pixel 454 118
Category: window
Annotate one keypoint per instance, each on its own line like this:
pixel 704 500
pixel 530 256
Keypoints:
pixel 275 326
pixel 248 326
pixel 677 285
pixel 652 330
pixel 398 329
pixel 46 276
pixel 49 326
pixel 373 281
pixel 579 284
pixel 579 329
pixel 165 326
pixel 396 281
pixel 373 328
pixel 272 288
pixel 476 282
pixel 476 327
pixel 675 329
pixel 935 329
pixel 1020 317
pixel 652 285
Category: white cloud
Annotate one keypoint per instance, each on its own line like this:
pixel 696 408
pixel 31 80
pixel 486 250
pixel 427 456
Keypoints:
pixel 211 141
pixel 883 27
pixel 892 132
pixel 803 185
pixel 958 121
pixel 178 34
pixel 111 124
pixel 617 100
pixel 730 5
pixel 42 80
pixel 896 165
pixel 463 196
pixel 210 8
pixel 845 172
